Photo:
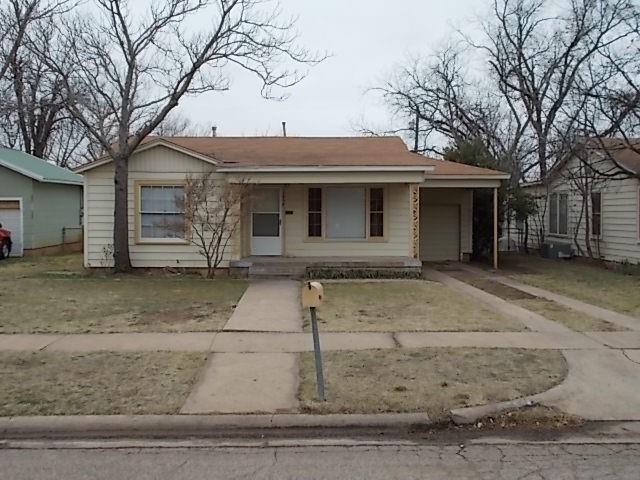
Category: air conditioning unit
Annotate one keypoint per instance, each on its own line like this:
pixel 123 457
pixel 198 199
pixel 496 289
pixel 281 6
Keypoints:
pixel 557 249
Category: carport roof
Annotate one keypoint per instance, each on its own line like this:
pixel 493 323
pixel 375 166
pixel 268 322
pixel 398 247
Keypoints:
pixel 36 168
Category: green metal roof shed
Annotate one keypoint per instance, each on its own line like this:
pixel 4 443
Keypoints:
pixel 40 203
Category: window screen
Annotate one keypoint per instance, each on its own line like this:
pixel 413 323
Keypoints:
pixel 161 214
pixel 345 212
pixel 553 213
pixel 563 213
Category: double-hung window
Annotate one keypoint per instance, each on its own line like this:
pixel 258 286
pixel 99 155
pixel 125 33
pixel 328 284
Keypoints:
pixel 596 214
pixel 558 213
pixel 345 212
pixel 161 212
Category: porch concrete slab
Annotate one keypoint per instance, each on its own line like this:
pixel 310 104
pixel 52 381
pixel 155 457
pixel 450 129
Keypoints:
pixel 268 306
pixel 124 342
pixel 617 339
pixel 616 318
pixel 529 319
pixel 600 385
pixel 270 342
pixel 246 383
pixel 538 340
pixel 26 342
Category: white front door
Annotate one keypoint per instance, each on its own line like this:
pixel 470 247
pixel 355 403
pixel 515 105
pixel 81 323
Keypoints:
pixel 266 221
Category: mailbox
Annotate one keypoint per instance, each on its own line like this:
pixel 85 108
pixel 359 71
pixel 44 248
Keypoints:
pixel 312 294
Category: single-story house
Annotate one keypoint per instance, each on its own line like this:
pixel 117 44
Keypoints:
pixel 590 202
pixel 40 203
pixel 366 200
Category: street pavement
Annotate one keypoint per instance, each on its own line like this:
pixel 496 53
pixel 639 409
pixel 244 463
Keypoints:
pixel 325 460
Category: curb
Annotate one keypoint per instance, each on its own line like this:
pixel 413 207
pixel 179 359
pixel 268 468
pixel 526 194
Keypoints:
pixel 111 426
pixel 464 416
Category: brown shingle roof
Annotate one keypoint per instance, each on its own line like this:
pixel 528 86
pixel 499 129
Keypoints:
pixel 318 151
pixel 625 153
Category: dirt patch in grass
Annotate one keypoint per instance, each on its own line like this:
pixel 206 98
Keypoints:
pixel 491 286
pixel 417 305
pixel 615 289
pixel 432 380
pixel 54 295
pixel 96 383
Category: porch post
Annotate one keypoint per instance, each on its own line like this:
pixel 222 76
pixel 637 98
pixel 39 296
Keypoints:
pixel 414 206
pixel 495 228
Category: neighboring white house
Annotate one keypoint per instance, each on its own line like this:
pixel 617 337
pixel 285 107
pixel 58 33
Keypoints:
pixel 591 201
pixel 363 199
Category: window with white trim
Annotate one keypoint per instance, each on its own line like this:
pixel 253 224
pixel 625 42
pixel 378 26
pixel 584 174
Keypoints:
pixel 345 212
pixel 161 212
pixel 596 214
pixel 558 213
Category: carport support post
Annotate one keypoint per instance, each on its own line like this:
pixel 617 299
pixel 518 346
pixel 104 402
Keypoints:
pixel 495 228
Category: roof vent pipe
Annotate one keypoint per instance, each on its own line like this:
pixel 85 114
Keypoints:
pixel 214 131
pixel 284 129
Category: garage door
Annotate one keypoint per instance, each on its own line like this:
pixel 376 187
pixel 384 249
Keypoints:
pixel 439 232
pixel 11 219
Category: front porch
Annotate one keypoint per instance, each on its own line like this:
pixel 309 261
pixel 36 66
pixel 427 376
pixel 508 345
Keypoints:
pixel 327 267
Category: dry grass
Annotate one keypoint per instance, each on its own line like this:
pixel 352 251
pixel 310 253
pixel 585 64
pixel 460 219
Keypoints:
pixel 432 380
pixel 578 321
pixel 96 383
pixel 593 284
pixel 56 295
pixel 405 306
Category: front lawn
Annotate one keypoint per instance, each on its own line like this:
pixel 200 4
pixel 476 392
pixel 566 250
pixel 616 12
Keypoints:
pixel 593 284
pixel 56 295
pixel 411 305
pixel 431 380
pixel 96 383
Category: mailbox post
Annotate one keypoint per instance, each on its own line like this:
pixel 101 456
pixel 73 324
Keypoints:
pixel 312 294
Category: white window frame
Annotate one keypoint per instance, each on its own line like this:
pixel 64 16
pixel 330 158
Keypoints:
pixel 599 234
pixel 138 213
pixel 557 196
pixel 367 237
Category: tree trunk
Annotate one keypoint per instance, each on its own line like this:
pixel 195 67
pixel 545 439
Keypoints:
pixel 122 262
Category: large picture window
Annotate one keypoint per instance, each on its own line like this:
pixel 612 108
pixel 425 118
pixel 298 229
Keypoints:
pixel 558 213
pixel 345 217
pixel 161 212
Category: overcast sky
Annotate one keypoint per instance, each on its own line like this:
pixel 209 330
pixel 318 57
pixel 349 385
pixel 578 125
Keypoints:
pixel 366 38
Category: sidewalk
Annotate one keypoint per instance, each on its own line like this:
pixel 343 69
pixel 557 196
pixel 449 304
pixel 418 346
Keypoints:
pixel 243 382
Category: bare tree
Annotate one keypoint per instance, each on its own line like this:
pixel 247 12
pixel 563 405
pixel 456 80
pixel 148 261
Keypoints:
pixel 32 108
pixel 131 70
pixel 212 214
pixel 547 74
pixel 178 125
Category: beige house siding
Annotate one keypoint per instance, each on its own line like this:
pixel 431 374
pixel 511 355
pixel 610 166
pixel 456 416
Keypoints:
pixel 461 197
pixel 395 243
pixel 619 240
pixel 155 164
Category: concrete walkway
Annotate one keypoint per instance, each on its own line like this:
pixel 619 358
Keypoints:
pixel 602 383
pixel 268 306
pixel 240 380
pixel 529 319
pixel 246 383
pixel 607 315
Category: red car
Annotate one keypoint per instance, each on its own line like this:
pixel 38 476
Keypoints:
pixel 5 242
